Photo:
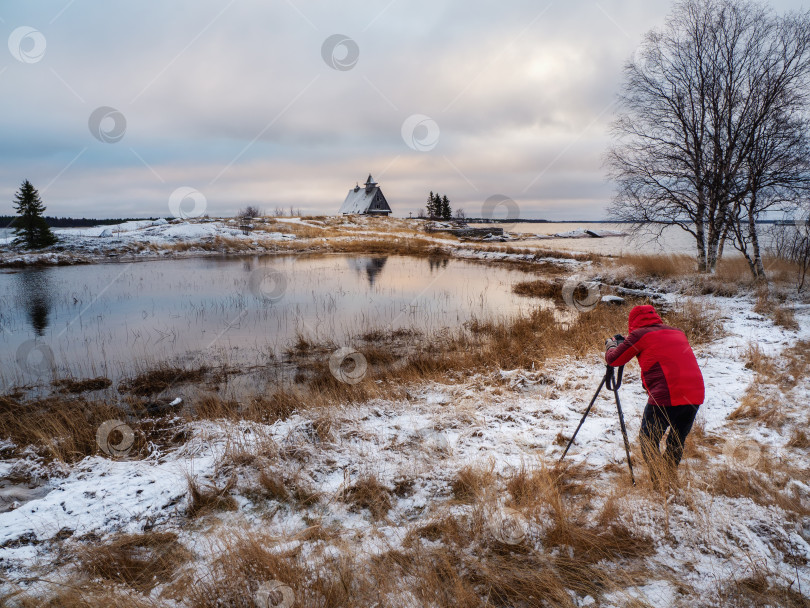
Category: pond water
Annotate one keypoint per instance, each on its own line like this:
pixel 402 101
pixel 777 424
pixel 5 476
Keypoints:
pixel 116 319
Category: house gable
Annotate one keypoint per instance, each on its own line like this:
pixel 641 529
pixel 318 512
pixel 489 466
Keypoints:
pixel 368 200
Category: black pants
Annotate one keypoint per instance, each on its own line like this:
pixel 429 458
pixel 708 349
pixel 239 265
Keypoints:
pixel 654 423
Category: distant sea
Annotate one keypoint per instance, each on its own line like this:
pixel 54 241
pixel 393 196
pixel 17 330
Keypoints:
pixel 673 239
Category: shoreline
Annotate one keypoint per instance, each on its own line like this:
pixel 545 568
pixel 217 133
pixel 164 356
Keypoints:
pixel 223 240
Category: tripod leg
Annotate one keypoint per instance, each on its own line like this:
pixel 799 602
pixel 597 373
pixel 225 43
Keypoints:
pixel 624 436
pixel 585 415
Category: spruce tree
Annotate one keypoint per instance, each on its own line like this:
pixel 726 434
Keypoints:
pixel 431 205
pixel 447 213
pixel 30 228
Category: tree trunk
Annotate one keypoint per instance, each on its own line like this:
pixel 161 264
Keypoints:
pixel 700 239
pixel 740 241
pixel 722 246
pixel 712 246
pixel 758 268
pixel 751 264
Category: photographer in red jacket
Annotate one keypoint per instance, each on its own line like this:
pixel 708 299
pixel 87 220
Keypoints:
pixel 671 376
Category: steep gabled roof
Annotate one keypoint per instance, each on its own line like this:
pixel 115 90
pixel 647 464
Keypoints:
pixel 365 200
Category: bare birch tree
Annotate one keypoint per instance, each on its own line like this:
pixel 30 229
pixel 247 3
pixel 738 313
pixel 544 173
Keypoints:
pixel 696 102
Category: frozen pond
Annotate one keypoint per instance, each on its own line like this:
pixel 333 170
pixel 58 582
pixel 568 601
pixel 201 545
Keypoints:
pixel 113 319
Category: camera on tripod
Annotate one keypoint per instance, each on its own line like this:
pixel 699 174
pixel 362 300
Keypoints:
pixel 613 381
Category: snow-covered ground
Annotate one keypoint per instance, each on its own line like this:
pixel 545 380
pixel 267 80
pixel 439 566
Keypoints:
pixel 507 420
pixel 146 238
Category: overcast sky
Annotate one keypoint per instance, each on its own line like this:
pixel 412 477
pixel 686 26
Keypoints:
pixel 254 102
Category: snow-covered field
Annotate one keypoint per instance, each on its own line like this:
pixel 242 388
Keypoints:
pixel 504 422
pixel 290 494
pixel 142 239
pixel 146 239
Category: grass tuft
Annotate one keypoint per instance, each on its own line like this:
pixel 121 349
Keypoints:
pixel 140 561
pixel 369 493
pixel 206 499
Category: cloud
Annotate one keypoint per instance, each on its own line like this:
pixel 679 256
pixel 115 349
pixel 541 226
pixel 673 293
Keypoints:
pixel 234 99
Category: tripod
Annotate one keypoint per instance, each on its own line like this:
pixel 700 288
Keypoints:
pixel 613 383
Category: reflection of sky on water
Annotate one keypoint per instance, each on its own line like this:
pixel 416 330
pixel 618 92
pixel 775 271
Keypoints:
pixel 106 318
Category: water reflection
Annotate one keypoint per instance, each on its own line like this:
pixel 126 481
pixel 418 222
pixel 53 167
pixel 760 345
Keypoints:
pixel 437 263
pixel 33 294
pixel 115 319
pixel 372 266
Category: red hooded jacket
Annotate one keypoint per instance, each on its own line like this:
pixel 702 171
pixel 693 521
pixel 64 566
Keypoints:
pixel 669 370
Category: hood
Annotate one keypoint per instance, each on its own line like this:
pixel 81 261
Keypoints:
pixel 642 316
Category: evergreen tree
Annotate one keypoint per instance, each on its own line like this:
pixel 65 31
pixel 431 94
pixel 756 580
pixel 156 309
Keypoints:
pixel 431 205
pixel 447 213
pixel 30 228
pixel 438 206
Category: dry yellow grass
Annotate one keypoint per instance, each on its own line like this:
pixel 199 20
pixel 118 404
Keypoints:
pixel 758 361
pixel 447 559
pixel 472 482
pixel 204 499
pixel 88 596
pixel 731 277
pixel 781 314
pixel 538 289
pixel 764 408
pixel 368 493
pixel 698 319
pixel 798 439
pixel 764 489
pixel 60 428
pixel 72 385
pixel 246 561
pixel 660 266
pixel 760 589
pixel 140 561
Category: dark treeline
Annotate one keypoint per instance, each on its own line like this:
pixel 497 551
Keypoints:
pixel 7 221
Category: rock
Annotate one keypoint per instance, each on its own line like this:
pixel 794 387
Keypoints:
pixel 613 300
pixel 106 233
pixel 639 292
